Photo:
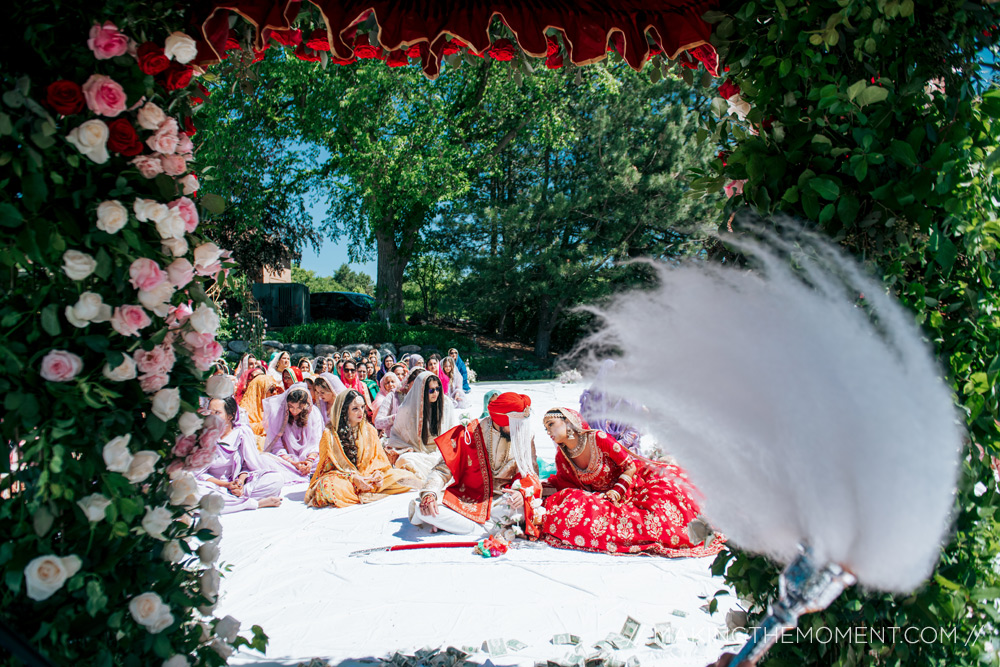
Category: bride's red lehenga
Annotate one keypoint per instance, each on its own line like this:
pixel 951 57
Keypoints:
pixel 652 517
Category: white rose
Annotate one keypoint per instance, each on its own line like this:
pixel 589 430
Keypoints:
pixel 207 254
pixel 204 319
pixel 227 629
pixel 175 247
pixel 222 648
pixel 111 216
pixel 46 574
pixel 210 584
pixel 211 523
pixel 171 226
pixel 147 209
pixel 91 306
pixel 158 298
pixel 166 403
pixel 142 466
pixel 184 490
pixel 91 139
pixel 172 551
pixel 117 457
pixel 124 371
pixel 189 184
pixel 78 265
pixel 190 422
pixel 156 520
pixel 177 661
pixel 93 506
pixel 208 552
pixel 180 47
pixel 212 503
pixel 150 117
pixel 149 610
pixel 220 386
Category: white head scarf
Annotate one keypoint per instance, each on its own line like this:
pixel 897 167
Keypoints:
pixel 407 429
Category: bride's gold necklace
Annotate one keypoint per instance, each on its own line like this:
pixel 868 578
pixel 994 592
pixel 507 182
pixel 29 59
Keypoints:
pixel 573 453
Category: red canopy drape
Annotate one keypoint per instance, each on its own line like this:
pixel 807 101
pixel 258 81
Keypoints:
pixel 588 28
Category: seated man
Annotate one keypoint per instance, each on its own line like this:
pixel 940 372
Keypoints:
pixel 482 462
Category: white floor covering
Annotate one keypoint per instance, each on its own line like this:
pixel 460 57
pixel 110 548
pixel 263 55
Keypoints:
pixel 292 574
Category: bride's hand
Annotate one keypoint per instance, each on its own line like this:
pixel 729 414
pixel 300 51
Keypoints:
pixel 613 496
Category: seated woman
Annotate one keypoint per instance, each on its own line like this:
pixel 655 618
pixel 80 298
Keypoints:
pixel 386 404
pixel 369 387
pixel 400 371
pixel 289 377
pixel 258 390
pixel 611 501
pixel 294 427
pixel 328 387
pixel 353 467
pixel 462 369
pixel 319 365
pixel 305 365
pixel 434 363
pixel 385 366
pixel 279 362
pixel 349 376
pixel 451 383
pixel 423 415
pixel 238 472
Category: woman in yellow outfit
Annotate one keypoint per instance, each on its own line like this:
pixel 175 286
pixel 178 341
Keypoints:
pixel 261 387
pixel 353 467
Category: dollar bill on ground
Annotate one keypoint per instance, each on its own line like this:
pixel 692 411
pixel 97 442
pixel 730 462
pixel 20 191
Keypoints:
pixel 631 628
pixel 618 641
pixel 566 638
pixel 495 647
pixel 665 633
pixel 680 613
pixel 515 645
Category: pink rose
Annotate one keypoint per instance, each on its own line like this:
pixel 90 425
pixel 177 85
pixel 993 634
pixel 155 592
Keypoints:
pixel 184 445
pixel 153 382
pixel 160 359
pixel 211 432
pixel 146 274
pixel 128 320
pixel 203 357
pixel 107 42
pixel 194 340
pixel 185 146
pixel 164 140
pixel 61 366
pixel 188 211
pixel 190 184
pixel 179 315
pixel 209 269
pixel 175 467
pixel 180 272
pixel 199 459
pixel 172 164
pixel 149 165
pixel 104 96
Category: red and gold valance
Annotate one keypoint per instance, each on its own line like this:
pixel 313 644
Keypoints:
pixel 429 29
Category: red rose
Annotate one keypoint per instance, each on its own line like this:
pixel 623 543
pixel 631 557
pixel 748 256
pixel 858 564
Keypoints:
pixel 318 41
pixel 302 52
pixel 363 48
pixel 64 97
pixel 122 138
pixel 552 47
pixel 728 89
pixel 503 50
pixel 555 61
pixel 343 61
pixel 397 59
pixel 417 50
pixel 232 41
pixel 177 76
pixel 452 46
pixel 284 37
pixel 151 59
pixel 722 156
pixel 189 128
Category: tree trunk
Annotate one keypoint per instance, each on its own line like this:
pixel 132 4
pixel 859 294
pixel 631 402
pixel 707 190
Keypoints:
pixel 548 316
pixel 389 280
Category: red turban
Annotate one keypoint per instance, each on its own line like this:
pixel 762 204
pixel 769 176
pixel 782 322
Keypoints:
pixel 505 403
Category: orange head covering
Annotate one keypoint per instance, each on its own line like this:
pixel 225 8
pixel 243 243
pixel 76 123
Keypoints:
pixel 505 403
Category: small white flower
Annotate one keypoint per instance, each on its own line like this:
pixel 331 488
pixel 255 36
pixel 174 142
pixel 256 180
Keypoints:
pixel 156 520
pixel 204 319
pixel 177 661
pixel 158 298
pixel 175 247
pixel 180 47
pixel 166 403
pixel 151 116
pixel 208 553
pixel 212 503
pixel 209 584
pixel 211 523
pixel 91 139
pixel 222 648
pixel 172 551
pixel 78 265
pixel 171 226
pixel 189 423
pixel 220 386
pixel 112 216
pixel 738 107
pixel 117 456
pixel 124 371
pixel 46 574
pixel 142 466
pixel 184 490
pixel 149 611
pixel 147 210
pixel 227 629
pixel 93 506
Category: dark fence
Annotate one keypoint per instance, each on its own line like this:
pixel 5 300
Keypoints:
pixel 282 305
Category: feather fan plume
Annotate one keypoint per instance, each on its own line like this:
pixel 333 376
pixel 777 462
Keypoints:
pixel 803 403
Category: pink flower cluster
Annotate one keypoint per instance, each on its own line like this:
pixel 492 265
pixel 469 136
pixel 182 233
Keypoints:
pixel 192 452
pixel 204 349
pixel 155 366
pixel 171 149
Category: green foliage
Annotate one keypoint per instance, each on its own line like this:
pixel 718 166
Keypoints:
pixel 500 367
pixel 242 319
pixel 344 280
pixel 866 119
pixel 338 333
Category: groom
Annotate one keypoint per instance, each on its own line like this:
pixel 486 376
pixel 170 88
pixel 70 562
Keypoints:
pixel 481 462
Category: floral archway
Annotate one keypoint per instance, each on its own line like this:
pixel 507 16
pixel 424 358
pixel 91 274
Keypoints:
pixel 108 332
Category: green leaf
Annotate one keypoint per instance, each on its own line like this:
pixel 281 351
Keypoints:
pixel 903 153
pixel 825 187
pixel 50 320
pixel 214 204
pixel 785 68
pixel 826 215
pixel 847 209
pixel 944 250
pixel 855 89
pixel 10 216
pixel 978 384
pixel 6 127
pixel 871 95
